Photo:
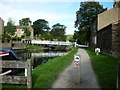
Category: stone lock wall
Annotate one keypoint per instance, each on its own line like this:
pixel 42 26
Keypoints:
pixel 116 39
pixel 109 40
pixel 104 39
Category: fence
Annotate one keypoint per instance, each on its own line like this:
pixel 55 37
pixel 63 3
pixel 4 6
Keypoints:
pixel 7 79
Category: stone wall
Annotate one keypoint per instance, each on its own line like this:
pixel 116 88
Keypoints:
pixel 104 39
pixel 108 34
pixel 1 27
pixel 108 17
pixel 5 45
pixel 116 39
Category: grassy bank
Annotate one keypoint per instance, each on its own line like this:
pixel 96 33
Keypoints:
pixel 44 75
pixel 33 47
pixel 105 68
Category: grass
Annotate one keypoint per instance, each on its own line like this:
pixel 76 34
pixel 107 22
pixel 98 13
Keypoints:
pixel 60 48
pixel 44 75
pixel 33 47
pixel 105 68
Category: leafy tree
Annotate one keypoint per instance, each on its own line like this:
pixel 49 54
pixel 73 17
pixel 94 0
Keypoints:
pixel 75 36
pixel 58 32
pixel 10 28
pixel 40 26
pixel 46 36
pixel 28 33
pixel 25 22
pixel 87 12
pixel 69 38
pixel 6 38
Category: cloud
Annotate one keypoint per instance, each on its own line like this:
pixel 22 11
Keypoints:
pixel 7 11
pixel 19 13
pixel 53 0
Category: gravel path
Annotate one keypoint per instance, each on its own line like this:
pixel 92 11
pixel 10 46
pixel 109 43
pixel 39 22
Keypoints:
pixel 70 78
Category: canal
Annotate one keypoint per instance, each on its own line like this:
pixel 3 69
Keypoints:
pixel 40 57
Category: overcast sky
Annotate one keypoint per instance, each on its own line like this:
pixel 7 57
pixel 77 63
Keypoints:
pixel 54 12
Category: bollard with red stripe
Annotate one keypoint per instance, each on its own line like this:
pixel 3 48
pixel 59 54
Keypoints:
pixel 76 64
pixel 76 61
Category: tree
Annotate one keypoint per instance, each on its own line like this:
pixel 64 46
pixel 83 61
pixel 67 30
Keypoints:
pixel 25 22
pixel 87 12
pixel 6 38
pixel 58 32
pixel 28 33
pixel 10 28
pixel 46 36
pixel 40 26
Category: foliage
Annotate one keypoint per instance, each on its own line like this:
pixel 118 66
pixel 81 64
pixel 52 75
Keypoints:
pixel 69 38
pixel 46 36
pixel 87 12
pixel 28 33
pixel 58 32
pixel 40 26
pixel 10 28
pixel 6 38
pixel 33 47
pixel 25 22
pixel 16 38
pixel 105 68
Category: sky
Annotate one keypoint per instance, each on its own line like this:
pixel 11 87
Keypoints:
pixel 62 12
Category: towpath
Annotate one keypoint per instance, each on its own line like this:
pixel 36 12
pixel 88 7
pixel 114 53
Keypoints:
pixel 68 78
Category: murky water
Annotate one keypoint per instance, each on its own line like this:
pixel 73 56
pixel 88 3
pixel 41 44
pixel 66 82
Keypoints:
pixel 39 57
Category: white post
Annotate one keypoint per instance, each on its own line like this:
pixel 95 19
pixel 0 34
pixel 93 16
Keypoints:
pixel 77 69
pixel 25 72
pixel 75 44
pixel 97 50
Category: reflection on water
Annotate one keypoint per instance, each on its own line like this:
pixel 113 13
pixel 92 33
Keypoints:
pixel 41 57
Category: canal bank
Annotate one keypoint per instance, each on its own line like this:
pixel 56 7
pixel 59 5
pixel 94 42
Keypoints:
pixel 44 75
pixel 47 73
pixel 40 57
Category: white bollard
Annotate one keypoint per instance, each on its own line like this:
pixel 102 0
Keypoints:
pixel 77 69
pixel 97 50
pixel 25 72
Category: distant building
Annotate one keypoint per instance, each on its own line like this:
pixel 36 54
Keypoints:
pixel 107 25
pixel 20 31
pixel 1 27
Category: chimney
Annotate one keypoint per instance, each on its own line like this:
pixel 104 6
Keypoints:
pixel 116 3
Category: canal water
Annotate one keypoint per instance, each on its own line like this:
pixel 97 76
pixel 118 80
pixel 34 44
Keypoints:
pixel 40 57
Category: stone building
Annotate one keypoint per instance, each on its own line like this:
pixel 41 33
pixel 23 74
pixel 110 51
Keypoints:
pixel 20 31
pixel 1 27
pixel 108 31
